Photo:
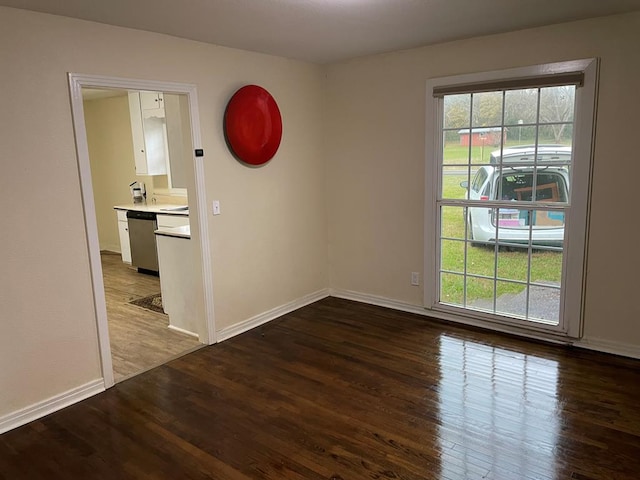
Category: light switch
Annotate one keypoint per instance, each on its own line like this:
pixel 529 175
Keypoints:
pixel 216 207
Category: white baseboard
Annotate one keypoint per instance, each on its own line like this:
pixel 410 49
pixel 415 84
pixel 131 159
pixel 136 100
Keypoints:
pixel 607 346
pixel 182 330
pixel 269 315
pixel 58 402
pixel 50 405
pixel 379 301
pixel 600 345
pixel 447 317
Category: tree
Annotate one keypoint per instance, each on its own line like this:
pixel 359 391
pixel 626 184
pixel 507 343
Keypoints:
pixel 456 115
pixel 487 109
pixel 456 111
pixel 556 108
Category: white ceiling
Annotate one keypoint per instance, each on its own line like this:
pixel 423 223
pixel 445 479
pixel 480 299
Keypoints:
pixel 325 31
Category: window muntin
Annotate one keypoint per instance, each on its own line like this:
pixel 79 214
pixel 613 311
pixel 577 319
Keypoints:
pixel 450 195
pixel 528 166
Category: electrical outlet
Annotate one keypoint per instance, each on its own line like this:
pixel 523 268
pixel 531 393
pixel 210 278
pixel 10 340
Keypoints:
pixel 216 207
pixel 415 278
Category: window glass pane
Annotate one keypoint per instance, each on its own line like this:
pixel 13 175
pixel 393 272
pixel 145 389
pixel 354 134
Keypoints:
pixel 452 253
pixel 544 303
pixel 454 184
pixel 546 267
pixel 556 156
pixel 455 153
pixel 557 104
pixel 511 299
pixel 548 224
pixel 480 293
pixel 486 190
pixel 536 227
pixel 452 223
pixel 487 109
pixel 479 180
pixel 513 264
pixel 521 106
pixel 452 289
pixel 555 134
pixel 520 135
pixel 514 229
pixel 481 261
pixel 526 184
pixel 457 111
pixel 484 141
pixel 509 220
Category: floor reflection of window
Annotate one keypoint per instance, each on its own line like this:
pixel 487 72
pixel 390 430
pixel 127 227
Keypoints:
pixel 497 411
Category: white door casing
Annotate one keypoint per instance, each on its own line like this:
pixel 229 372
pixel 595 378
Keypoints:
pixel 76 83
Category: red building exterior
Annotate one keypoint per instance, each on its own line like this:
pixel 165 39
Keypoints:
pixel 482 136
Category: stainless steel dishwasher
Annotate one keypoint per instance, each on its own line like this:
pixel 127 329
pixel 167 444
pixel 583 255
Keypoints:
pixel 144 254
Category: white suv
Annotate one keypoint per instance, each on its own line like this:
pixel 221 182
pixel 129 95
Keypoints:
pixel 515 181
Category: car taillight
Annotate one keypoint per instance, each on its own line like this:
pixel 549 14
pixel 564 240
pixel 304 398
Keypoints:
pixel 484 197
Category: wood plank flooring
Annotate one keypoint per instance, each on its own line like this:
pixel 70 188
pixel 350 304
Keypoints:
pixel 345 391
pixel 140 339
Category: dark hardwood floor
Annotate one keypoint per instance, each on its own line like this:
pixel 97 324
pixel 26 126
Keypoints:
pixel 341 390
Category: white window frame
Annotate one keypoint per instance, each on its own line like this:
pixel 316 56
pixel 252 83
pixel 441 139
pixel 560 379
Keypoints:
pixel 576 222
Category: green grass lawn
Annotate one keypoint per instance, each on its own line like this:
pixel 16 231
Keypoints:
pixel 512 265
pixel 454 153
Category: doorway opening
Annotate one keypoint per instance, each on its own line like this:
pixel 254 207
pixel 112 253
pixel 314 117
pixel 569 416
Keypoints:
pixel 137 164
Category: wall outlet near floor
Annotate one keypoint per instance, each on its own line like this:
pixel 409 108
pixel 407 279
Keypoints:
pixel 415 278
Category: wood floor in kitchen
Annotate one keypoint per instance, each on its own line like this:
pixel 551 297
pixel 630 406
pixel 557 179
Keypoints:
pixel 140 339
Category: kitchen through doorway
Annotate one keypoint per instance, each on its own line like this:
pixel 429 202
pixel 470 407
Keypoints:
pixel 136 161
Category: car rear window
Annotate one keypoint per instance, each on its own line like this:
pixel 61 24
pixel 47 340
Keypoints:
pixel 550 187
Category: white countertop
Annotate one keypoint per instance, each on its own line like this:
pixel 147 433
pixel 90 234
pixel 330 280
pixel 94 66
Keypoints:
pixel 165 208
pixel 183 231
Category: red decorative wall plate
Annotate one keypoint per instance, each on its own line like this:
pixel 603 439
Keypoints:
pixel 253 125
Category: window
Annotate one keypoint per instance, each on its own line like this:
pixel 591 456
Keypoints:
pixel 508 173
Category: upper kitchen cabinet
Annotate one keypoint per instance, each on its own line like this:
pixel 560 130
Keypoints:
pixel 149 132
pixel 161 130
pixel 151 100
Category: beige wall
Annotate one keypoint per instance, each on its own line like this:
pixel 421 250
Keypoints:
pixel 375 162
pixel 269 246
pixel 112 163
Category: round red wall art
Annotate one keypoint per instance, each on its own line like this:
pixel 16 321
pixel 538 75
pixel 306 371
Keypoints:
pixel 253 125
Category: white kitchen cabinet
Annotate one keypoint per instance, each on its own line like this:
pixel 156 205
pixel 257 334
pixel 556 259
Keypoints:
pixel 172 220
pixel 151 100
pixel 178 274
pixel 123 232
pixel 149 133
